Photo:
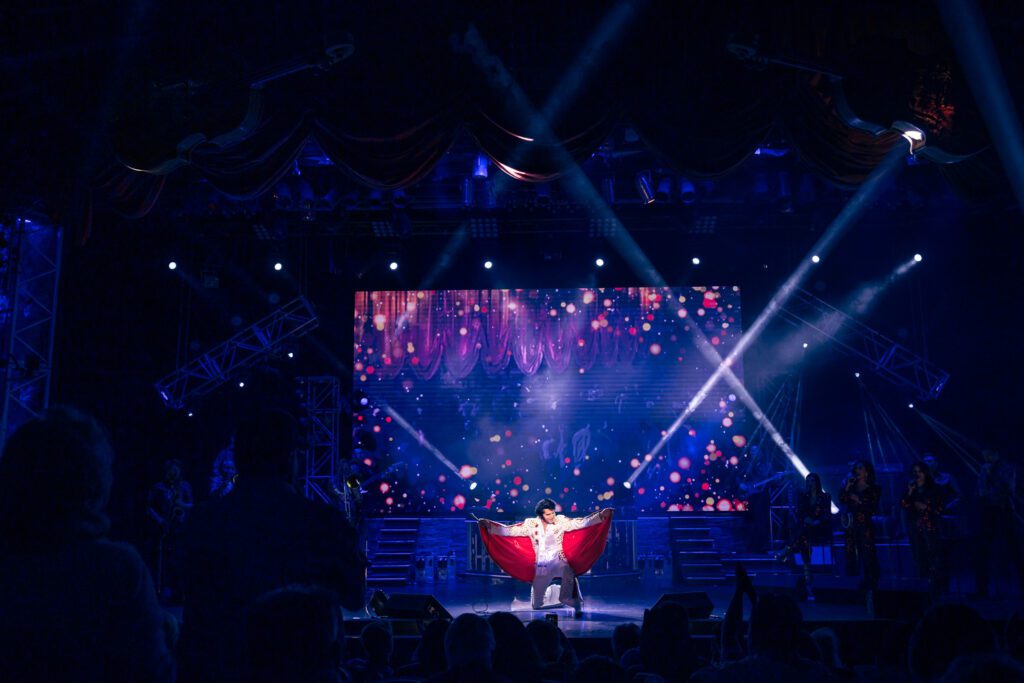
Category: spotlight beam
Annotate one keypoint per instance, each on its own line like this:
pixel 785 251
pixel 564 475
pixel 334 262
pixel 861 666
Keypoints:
pixel 892 161
pixel 580 187
pixel 966 28
pixel 598 49
pixel 422 440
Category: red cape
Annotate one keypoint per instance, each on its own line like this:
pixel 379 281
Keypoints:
pixel 514 554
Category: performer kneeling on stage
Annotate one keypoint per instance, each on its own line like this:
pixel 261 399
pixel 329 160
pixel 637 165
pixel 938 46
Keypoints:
pixel 548 547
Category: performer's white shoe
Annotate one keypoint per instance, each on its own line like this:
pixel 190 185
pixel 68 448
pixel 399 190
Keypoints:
pixel 577 608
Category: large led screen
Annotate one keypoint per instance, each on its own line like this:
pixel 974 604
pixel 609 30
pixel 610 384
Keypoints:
pixel 486 401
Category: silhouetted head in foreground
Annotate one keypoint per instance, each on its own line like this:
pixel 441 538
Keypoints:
pixel 55 479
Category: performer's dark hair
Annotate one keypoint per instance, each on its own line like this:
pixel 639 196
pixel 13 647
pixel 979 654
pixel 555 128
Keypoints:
pixel 546 504
pixel 868 467
pixel 923 466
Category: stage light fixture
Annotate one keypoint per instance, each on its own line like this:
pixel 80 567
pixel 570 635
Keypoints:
pixel 278 266
pixel 627 485
pixel 190 413
pixel 241 385
pixel 172 265
pixel 910 405
pixel 815 259
pixel 918 258
pixel 488 264
pixel 393 265
pixel 599 262
pixel 695 261
pixel 663 193
pixel 805 345
pixel 911 133
pixel 480 166
pixel 857 375
pixel 472 486
pixel 643 186
pixel 687 192
pixel 291 354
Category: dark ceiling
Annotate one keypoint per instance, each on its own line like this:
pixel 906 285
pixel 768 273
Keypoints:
pixel 127 123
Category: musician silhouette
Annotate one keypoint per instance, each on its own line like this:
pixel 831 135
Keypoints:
pixel 167 506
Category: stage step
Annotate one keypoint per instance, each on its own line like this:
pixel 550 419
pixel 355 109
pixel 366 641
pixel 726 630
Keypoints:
pixel 392 556
pixel 700 557
pixel 392 561
pixel 694 551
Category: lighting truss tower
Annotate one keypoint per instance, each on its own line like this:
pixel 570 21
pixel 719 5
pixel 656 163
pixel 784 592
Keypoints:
pixel 207 372
pixel 886 358
pixel 784 411
pixel 323 411
pixel 30 260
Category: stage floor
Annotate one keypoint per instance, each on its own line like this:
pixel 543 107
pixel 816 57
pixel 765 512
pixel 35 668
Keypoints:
pixel 608 605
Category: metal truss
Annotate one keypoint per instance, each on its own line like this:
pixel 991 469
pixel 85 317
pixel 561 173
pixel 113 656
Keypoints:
pixel 781 510
pixel 784 411
pixel 323 410
pixel 207 372
pixel 886 358
pixel 30 262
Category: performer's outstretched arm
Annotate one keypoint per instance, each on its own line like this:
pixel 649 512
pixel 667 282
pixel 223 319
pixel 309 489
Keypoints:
pixel 589 520
pixel 501 530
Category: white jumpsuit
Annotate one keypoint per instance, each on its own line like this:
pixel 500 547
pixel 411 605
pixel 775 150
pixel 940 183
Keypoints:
pixel 550 558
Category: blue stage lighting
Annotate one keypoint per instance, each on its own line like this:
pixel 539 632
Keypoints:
pixel 241 385
pixel 480 167
pixel 599 262
pixel 695 261
pixel 643 187
pixel 488 264
pixel 815 259
pixel 278 266
pixel 393 265
pixel 172 265
pixel 918 258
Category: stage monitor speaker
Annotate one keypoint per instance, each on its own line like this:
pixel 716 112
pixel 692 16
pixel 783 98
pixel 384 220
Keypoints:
pixel 698 604
pixel 413 606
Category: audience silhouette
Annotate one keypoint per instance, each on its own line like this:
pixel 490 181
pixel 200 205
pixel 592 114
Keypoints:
pixel 262 536
pixel 73 605
pixel 294 634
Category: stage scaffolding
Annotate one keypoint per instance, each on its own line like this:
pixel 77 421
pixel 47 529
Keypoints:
pixel 886 358
pixel 30 263
pixel 261 339
pixel 323 413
